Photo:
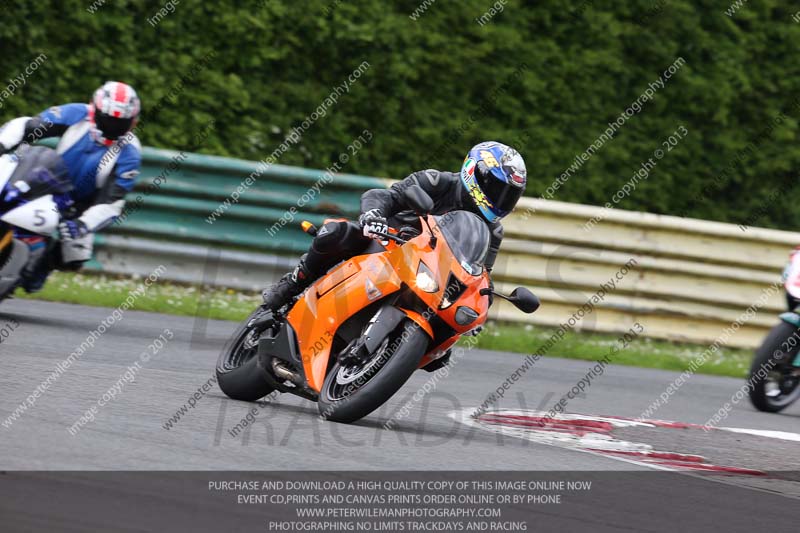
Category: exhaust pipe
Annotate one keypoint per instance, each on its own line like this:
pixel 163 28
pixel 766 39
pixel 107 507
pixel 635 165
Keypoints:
pixel 297 380
pixel 284 373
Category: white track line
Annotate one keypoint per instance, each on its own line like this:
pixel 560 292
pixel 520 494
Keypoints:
pixel 783 435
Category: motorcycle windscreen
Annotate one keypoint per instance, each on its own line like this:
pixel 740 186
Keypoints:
pixel 41 171
pixel 468 237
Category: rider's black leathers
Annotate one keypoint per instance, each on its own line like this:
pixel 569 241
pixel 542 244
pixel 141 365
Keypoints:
pixel 340 240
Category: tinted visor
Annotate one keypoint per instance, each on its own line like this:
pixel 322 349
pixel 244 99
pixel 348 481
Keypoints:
pixel 112 128
pixel 503 196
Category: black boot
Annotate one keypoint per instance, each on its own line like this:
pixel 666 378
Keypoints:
pixel 38 269
pixel 289 286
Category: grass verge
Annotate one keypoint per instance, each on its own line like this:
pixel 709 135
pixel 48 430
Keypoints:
pixel 227 304
pixel 642 352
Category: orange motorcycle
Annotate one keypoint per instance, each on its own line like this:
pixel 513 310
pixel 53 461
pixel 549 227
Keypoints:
pixel 356 335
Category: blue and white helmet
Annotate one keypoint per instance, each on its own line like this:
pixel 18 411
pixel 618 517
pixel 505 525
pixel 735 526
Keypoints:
pixel 494 176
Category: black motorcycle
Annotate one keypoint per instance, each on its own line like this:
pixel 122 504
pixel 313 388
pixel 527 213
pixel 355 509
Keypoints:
pixel 775 373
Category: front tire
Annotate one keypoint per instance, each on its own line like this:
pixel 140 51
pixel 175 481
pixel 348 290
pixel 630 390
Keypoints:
pixel 774 383
pixel 351 393
pixel 239 375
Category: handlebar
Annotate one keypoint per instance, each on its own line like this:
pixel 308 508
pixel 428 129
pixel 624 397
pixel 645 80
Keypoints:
pixel 389 236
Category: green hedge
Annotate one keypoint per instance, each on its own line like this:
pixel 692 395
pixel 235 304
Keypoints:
pixel 439 84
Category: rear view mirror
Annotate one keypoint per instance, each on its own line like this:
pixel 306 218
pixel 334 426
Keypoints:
pixel 524 300
pixel 418 200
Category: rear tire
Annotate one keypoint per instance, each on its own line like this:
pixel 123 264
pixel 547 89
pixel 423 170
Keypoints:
pixel 765 394
pixel 239 375
pixel 345 399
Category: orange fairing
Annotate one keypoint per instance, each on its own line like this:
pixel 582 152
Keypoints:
pixel 336 297
pixel 421 321
pixel 438 351
pixel 366 278
pixel 442 262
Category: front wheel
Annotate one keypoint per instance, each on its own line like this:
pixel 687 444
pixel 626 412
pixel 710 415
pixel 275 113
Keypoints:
pixel 238 374
pixel 775 383
pixel 353 391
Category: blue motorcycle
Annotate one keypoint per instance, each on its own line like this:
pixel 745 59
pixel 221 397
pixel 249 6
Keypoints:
pixel 34 194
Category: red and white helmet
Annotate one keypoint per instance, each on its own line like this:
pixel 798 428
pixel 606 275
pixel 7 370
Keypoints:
pixel 115 109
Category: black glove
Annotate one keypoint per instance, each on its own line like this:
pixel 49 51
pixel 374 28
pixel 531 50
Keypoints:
pixel 372 221
pixel 490 295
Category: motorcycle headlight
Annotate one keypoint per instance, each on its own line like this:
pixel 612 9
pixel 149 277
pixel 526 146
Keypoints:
pixel 425 279
pixel 452 291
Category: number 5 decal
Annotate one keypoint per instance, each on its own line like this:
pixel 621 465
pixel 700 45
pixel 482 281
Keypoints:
pixel 36 216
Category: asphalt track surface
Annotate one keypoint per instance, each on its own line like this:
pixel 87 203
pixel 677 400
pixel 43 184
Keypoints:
pixel 129 432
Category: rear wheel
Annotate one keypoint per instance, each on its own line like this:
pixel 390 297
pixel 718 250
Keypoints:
pixel 354 390
pixel 238 374
pixel 775 381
